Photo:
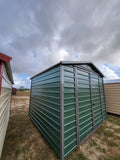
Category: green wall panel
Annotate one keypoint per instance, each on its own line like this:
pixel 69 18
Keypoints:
pixel 69 110
pixel 84 88
pixel 85 108
pixel 45 105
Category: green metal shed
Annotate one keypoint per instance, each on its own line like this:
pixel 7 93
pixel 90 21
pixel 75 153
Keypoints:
pixel 67 104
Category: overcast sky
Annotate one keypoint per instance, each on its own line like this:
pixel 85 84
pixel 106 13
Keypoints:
pixel 40 33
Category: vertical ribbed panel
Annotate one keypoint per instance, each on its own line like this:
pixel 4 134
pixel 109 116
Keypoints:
pixel 85 108
pixel 45 105
pixel 70 132
pixel 96 100
pixel 4 106
pixel 91 109
pixel 103 99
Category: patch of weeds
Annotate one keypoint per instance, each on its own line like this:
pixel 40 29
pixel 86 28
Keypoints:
pixel 103 150
pixel 17 150
pixel 80 156
pixel 108 133
pixel 11 136
pixel 98 147
pixel 76 155
pixel 110 143
pixel 91 152
pixel 100 130
pixel 92 143
pixel 103 131
pixel 101 158
pixel 117 130
pixel 112 157
pixel 113 121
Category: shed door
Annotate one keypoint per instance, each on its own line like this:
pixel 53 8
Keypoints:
pixel 84 104
pixel 96 97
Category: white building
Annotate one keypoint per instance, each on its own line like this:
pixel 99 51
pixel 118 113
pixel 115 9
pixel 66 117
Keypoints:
pixel 6 81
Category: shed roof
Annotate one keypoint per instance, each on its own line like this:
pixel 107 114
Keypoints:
pixel 6 60
pixel 73 63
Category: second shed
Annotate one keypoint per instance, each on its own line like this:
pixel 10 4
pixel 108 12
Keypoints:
pixel 112 94
pixel 6 81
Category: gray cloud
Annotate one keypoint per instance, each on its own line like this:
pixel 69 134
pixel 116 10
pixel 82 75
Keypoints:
pixel 37 34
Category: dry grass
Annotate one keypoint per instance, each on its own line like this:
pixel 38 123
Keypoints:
pixel 24 142
pixel 23 93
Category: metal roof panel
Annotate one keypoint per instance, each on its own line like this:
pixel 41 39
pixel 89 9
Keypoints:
pixel 72 63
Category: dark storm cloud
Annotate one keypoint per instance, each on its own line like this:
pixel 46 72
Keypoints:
pixel 93 29
pixel 39 33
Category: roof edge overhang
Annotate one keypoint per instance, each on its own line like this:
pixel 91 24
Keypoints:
pixel 9 71
pixel 5 58
pixel 71 63
pixel 83 62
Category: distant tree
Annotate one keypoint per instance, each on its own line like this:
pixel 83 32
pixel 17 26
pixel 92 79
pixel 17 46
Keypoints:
pixel 21 88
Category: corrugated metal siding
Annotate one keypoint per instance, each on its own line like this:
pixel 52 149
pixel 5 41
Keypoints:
pixel 112 95
pixel 4 106
pixel 45 105
pixel 96 100
pixel 70 134
pixel 92 110
pixel 103 100
pixel 85 108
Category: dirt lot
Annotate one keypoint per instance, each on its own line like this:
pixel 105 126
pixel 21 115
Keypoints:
pixel 24 142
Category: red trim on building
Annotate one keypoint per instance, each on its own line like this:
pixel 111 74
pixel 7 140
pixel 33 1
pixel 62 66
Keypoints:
pixel 4 57
pixel 1 63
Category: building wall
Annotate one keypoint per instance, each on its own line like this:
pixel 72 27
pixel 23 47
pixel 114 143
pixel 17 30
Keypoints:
pixel 45 105
pixel 112 95
pixel 70 130
pixel 90 104
pixel 5 98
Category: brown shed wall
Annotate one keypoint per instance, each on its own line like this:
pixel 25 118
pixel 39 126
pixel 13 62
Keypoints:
pixel 112 94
